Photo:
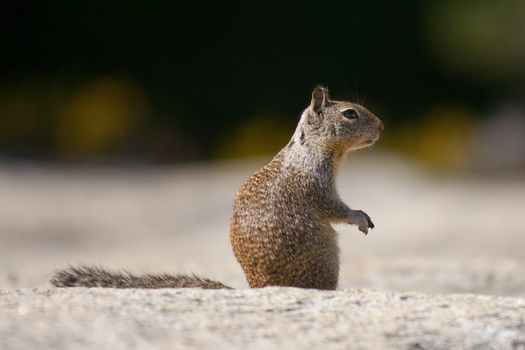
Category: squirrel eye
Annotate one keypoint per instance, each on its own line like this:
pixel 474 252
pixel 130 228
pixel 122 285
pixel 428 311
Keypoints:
pixel 350 114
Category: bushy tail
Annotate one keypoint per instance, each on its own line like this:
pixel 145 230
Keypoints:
pixel 92 276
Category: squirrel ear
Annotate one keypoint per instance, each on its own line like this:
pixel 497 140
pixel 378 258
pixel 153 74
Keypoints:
pixel 320 97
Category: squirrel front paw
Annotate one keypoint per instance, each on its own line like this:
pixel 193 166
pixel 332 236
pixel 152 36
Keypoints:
pixel 362 220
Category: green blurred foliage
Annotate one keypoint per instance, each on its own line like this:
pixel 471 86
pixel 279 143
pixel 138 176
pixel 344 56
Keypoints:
pixel 187 81
pixel 263 134
pixel 441 138
pixel 91 118
pixel 98 116
pixel 481 39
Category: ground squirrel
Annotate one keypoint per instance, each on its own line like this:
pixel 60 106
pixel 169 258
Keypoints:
pixel 281 230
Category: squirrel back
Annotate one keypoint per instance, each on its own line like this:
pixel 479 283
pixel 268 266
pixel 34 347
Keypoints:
pixel 280 230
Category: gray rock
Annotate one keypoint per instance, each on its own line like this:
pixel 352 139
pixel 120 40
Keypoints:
pixel 269 318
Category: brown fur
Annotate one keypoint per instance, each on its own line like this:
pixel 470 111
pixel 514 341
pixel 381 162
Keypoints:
pixel 92 276
pixel 280 230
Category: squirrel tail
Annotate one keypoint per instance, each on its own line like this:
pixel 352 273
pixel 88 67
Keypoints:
pixel 93 276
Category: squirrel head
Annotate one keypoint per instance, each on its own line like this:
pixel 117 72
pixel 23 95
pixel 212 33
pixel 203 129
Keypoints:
pixel 337 124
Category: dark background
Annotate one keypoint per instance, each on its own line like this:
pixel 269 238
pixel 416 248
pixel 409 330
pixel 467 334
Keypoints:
pixel 184 81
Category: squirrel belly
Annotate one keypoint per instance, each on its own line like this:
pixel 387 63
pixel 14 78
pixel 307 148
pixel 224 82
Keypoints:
pixel 93 276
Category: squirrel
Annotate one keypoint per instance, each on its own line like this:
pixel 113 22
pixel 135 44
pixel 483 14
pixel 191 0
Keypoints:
pixel 280 229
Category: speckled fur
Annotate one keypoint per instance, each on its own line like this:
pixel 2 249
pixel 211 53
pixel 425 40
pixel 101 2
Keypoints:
pixel 93 276
pixel 281 230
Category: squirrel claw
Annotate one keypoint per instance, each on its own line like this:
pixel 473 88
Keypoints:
pixel 364 230
pixel 369 221
pixel 363 221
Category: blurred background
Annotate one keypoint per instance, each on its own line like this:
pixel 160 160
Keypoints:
pixel 126 128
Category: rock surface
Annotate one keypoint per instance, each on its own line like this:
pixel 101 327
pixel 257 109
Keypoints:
pixel 269 318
